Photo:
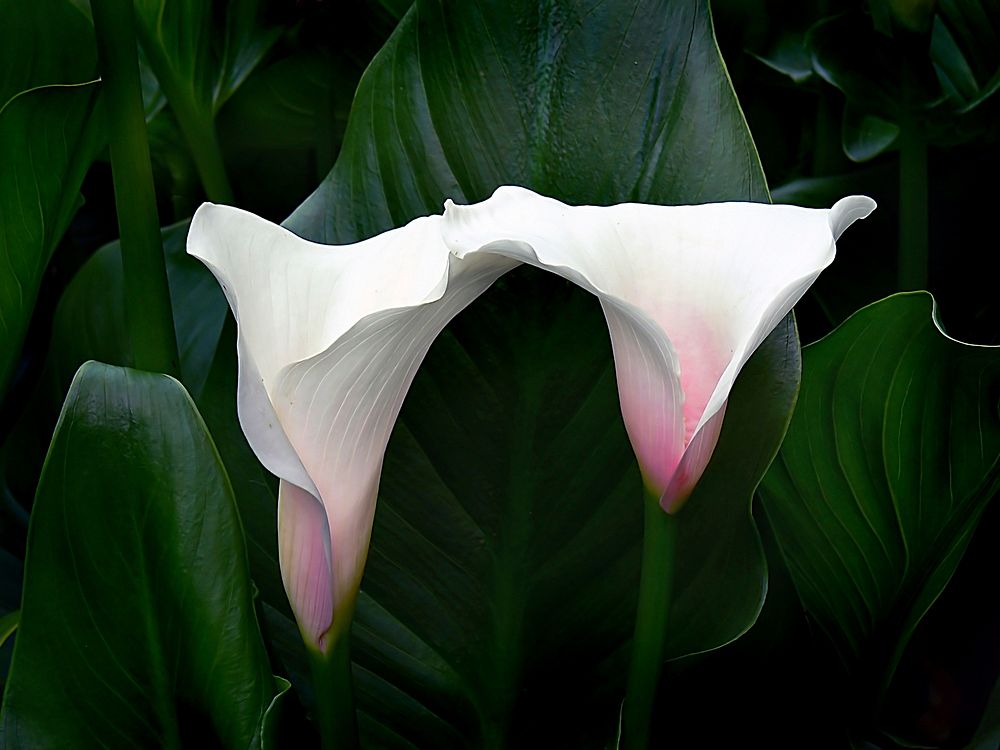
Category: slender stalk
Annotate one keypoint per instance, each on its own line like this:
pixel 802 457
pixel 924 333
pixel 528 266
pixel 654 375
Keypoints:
pixel 199 133
pixel 913 197
pixel 331 672
pixel 147 296
pixel 194 119
pixel 655 591
pixel 913 185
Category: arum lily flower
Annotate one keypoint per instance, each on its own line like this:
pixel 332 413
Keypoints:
pixel 689 292
pixel 329 339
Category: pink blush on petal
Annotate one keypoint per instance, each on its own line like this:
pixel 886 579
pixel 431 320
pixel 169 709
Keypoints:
pixel 304 556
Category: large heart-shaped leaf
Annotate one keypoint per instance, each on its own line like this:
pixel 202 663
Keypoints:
pixel 892 453
pixel 42 43
pixel 89 323
pixel 138 625
pixel 500 590
pixel 48 138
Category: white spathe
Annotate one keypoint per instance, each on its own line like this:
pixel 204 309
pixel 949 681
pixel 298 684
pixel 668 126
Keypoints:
pixel 330 338
pixel 689 292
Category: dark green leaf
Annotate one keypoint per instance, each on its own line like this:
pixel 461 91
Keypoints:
pixel 42 43
pixel 270 729
pixel 500 590
pixel 193 64
pixel 866 136
pixel 138 627
pixel 281 132
pixel 89 324
pixel 8 624
pixel 866 65
pixel 965 49
pixel 790 57
pixel 892 453
pixel 628 101
pixel 48 138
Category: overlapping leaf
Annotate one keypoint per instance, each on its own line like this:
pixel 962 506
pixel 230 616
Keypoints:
pixel 49 134
pixel 137 625
pixel 84 329
pixel 48 138
pixel 892 453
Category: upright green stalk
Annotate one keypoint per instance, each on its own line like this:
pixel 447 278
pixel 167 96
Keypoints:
pixel 147 296
pixel 194 117
pixel 913 184
pixel 655 592
pixel 332 683
pixel 199 134
pixel 913 202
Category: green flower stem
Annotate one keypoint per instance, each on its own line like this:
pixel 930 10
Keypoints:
pixel 913 245
pixel 195 121
pixel 199 133
pixel 655 591
pixel 331 673
pixel 147 296
pixel 913 186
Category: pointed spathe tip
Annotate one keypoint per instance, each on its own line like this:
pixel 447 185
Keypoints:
pixel 848 210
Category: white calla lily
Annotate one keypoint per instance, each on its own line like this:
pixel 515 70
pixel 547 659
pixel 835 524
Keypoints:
pixel 330 338
pixel 689 292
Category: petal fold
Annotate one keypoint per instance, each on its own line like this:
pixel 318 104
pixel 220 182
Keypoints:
pixel 305 560
pixel 689 293
pixel 329 339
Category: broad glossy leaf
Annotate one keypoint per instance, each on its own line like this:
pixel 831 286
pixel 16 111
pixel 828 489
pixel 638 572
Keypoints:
pixel 137 626
pixel 892 453
pixel 48 138
pixel 89 323
pixel 607 105
pixel 500 589
pixel 44 42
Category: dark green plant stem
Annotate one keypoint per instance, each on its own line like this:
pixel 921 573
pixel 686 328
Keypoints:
pixel 655 591
pixel 195 121
pixel 199 133
pixel 913 225
pixel 912 267
pixel 334 689
pixel 147 296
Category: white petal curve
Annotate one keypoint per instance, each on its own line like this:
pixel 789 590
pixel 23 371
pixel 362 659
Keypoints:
pixel 848 210
pixel 714 280
pixel 329 339
pixel 339 407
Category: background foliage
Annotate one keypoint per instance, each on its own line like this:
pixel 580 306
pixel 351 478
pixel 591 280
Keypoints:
pixel 498 601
